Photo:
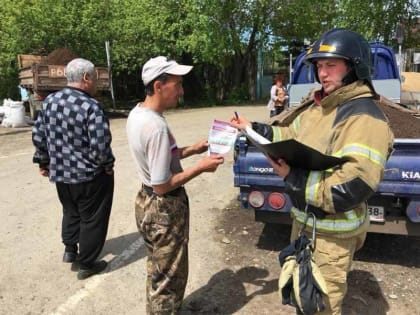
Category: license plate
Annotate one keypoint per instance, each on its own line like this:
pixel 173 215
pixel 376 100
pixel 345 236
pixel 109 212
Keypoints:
pixel 376 213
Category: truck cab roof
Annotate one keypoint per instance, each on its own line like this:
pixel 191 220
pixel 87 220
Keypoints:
pixel 385 75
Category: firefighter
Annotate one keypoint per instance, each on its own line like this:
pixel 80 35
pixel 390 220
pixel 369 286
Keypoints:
pixel 342 119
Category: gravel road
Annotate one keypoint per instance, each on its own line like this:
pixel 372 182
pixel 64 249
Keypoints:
pixel 233 260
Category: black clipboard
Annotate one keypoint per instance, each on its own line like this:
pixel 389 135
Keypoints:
pixel 297 154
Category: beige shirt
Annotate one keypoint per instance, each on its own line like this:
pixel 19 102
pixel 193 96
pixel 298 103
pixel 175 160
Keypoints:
pixel 152 146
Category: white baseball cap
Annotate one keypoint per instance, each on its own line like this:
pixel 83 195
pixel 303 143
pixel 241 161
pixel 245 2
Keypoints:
pixel 154 67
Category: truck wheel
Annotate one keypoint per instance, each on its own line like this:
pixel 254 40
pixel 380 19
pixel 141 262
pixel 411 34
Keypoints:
pixel 34 107
pixel 33 112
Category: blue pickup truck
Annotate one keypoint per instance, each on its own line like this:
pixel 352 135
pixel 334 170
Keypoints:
pixel 394 209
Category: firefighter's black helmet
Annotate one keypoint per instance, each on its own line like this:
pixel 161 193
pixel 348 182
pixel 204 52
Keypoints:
pixel 344 44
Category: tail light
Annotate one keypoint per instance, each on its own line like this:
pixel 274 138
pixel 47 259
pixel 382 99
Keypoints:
pixel 256 199
pixel 276 200
pixel 413 211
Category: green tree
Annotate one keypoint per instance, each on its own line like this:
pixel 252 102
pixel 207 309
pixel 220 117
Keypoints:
pixel 39 27
pixel 378 20
pixel 221 38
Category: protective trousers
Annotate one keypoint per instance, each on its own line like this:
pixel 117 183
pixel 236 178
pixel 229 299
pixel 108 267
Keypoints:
pixel 163 221
pixel 86 211
pixel 334 257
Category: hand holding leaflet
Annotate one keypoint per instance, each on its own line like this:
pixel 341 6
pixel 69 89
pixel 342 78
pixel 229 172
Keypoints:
pixel 295 154
pixel 222 137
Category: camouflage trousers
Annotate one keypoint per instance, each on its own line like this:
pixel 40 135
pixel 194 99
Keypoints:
pixel 164 224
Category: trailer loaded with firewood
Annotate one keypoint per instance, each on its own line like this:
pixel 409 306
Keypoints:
pixel 42 75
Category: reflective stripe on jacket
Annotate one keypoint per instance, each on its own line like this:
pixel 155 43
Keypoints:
pixel 350 222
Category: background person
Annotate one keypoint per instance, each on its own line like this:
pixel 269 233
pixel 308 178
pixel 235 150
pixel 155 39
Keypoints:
pixel 162 209
pixel 24 97
pixel 334 122
pixel 278 96
pixel 73 147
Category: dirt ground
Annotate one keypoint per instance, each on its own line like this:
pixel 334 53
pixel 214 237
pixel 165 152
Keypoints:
pixel 233 259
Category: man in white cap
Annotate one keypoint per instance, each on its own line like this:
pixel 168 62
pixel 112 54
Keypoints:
pixel 162 210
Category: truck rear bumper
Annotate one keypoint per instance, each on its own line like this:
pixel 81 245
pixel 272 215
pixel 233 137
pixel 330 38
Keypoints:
pixel 396 225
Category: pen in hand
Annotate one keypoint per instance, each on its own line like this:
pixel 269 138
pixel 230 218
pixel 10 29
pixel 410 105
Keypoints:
pixel 240 122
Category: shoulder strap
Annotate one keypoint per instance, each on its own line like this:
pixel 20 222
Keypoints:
pixel 358 106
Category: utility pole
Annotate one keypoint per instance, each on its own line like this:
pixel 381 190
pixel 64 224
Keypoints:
pixel 260 70
pixel 290 68
pixel 400 39
pixel 108 58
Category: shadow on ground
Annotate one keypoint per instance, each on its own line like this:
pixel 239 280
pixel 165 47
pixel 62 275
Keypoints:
pixel 126 249
pixel 225 292
pixel 391 249
pixel 364 295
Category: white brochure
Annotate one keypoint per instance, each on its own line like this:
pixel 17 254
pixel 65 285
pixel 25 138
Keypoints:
pixel 222 137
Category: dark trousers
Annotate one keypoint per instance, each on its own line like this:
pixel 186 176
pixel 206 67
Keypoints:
pixel 277 110
pixel 86 211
